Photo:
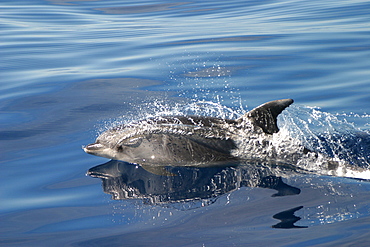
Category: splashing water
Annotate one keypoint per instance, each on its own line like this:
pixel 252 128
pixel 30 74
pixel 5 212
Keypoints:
pixel 300 127
pixel 325 133
pixel 330 137
pixel 160 108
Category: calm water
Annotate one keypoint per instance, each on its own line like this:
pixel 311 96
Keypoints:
pixel 70 68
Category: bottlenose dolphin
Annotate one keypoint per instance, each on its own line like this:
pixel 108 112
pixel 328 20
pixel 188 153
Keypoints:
pixel 188 140
pixel 206 141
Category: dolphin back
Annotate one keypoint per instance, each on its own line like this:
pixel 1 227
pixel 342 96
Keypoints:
pixel 265 116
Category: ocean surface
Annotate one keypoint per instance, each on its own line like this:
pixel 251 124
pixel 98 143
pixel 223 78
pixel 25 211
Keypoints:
pixel 71 69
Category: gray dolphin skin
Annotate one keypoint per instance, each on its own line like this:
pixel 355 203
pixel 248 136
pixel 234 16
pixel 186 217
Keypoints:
pixel 191 140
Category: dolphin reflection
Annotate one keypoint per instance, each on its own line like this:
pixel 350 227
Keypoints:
pixel 158 185
pixel 177 184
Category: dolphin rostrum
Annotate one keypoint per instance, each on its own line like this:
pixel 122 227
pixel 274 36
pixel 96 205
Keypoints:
pixel 186 140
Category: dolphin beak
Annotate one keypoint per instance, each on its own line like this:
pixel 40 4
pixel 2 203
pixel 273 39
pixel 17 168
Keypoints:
pixel 96 172
pixel 93 148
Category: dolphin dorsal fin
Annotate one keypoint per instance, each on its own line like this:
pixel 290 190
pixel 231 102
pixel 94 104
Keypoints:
pixel 265 115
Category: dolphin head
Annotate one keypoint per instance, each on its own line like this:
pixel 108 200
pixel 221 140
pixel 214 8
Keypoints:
pixel 119 143
pixel 171 140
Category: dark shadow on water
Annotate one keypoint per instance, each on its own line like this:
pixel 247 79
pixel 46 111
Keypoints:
pixel 288 219
pixel 170 185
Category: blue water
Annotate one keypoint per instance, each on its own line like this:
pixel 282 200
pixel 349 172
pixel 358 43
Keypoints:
pixel 69 69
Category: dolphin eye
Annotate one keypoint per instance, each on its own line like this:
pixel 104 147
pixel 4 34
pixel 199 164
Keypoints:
pixel 132 142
